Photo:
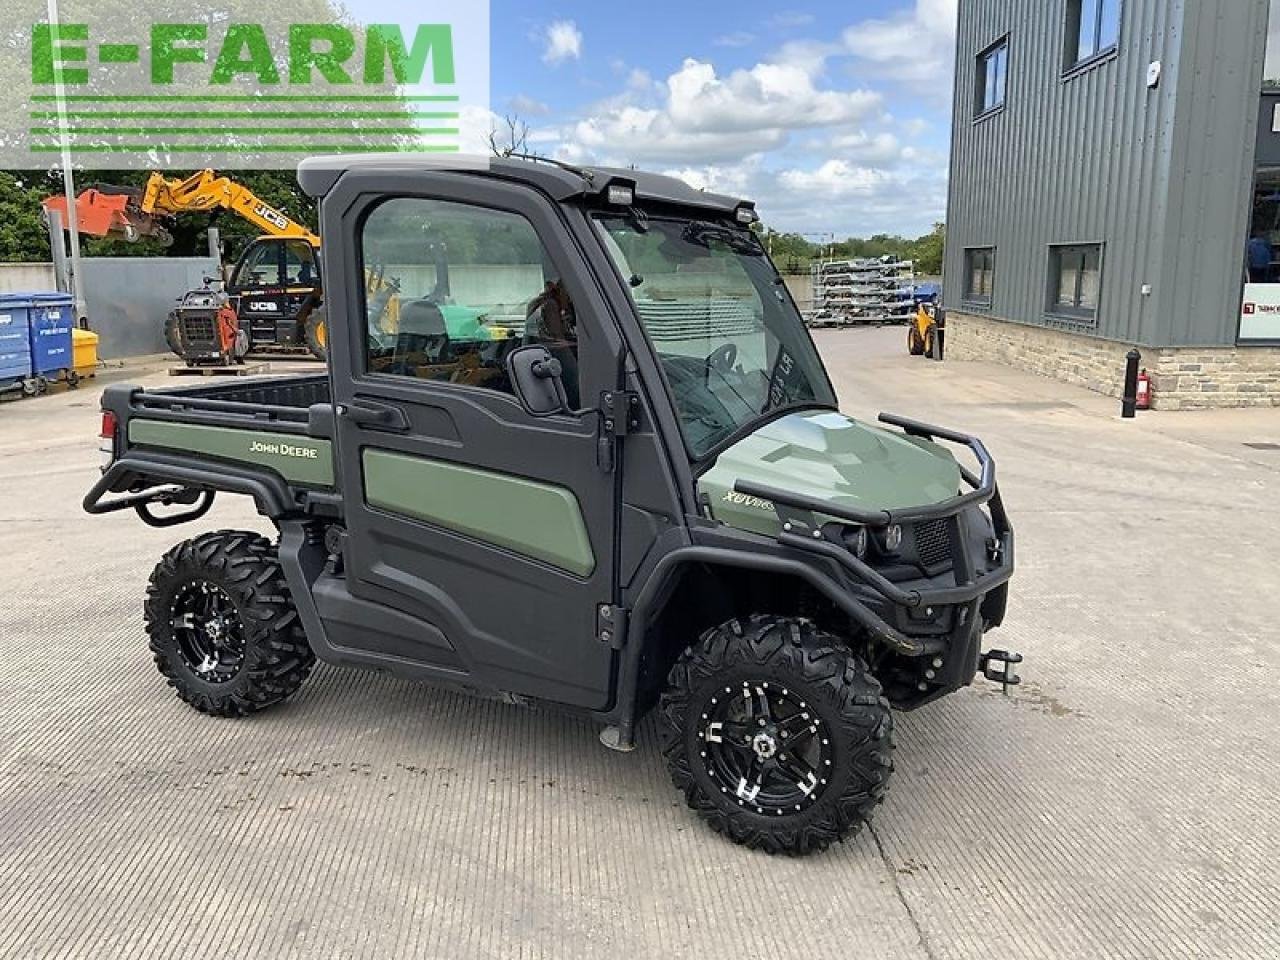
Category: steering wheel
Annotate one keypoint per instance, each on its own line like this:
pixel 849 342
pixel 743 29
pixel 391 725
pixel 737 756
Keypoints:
pixel 722 358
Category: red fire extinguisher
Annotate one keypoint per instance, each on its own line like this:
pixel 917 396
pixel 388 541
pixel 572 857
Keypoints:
pixel 1144 391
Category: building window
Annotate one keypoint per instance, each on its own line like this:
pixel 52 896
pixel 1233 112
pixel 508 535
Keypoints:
pixel 1075 279
pixel 979 274
pixel 993 65
pixel 1093 29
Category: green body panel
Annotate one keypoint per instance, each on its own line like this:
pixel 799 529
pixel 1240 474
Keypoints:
pixel 301 460
pixel 532 519
pixel 824 454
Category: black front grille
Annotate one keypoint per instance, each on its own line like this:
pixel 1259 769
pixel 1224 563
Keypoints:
pixel 933 543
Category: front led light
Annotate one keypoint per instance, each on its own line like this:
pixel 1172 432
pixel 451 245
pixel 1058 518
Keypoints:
pixel 746 215
pixel 621 196
pixel 893 537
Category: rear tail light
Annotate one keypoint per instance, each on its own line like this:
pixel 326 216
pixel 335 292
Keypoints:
pixel 107 438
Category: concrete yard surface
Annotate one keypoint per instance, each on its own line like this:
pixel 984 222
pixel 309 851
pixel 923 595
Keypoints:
pixel 1122 803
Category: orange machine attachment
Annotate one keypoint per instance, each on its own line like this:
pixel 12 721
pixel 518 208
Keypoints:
pixel 111 212
pixel 228 331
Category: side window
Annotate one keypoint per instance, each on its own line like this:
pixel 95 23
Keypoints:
pixel 453 289
pixel 300 264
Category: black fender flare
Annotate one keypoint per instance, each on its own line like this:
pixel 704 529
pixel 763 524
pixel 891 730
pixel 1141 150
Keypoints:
pixel 665 574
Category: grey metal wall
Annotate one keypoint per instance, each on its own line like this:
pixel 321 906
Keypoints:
pixel 1160 176
pixel 128 298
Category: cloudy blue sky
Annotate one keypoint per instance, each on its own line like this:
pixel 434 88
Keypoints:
pixel 833 116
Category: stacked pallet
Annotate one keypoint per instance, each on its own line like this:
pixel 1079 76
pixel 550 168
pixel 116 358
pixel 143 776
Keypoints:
pixel 862 291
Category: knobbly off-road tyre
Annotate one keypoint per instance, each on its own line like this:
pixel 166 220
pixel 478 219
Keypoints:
pixel 258 654
pixel 807 679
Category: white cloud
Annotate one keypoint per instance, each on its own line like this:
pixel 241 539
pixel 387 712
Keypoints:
pixel 878 149
pixel 528 106
pixel 851 199
pixel 563 42
pixel 739 38
pixel 916 48
pixel 817 150
pixel 730 180
pixel 699 115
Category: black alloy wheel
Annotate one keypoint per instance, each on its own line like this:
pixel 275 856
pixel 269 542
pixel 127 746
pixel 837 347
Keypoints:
pixel 207 631
pixel 766 747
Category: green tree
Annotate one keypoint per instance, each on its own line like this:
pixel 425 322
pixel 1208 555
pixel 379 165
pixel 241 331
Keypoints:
pixel 794 253
pixel 23 236
pixel 927 251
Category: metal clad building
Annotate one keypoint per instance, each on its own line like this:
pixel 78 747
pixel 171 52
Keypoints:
pixel 1102 170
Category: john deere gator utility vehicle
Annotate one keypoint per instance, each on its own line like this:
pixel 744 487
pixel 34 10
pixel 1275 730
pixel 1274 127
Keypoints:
pixel 598 465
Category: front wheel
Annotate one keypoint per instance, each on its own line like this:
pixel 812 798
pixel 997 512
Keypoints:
pixel 777 735
pixel 915 342
pixel 222 625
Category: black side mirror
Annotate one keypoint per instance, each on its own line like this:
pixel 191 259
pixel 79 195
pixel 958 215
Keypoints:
pixel 535 376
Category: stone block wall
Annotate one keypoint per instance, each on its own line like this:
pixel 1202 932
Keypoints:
pixel 1182 378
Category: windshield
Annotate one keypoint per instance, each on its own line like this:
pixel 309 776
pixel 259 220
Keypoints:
pixel 730 341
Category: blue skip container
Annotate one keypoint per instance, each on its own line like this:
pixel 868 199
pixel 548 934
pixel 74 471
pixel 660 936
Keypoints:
pixel 15 340
pixel 52 317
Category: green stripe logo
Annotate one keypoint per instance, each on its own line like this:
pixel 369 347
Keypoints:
pixel 249 89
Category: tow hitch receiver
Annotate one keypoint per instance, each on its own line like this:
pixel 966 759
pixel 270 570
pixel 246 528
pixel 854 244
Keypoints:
pixel 997 666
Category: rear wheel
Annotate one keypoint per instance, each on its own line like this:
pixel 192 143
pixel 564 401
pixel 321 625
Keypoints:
pixel 222 625
pixel 317 334
pixel 777 735
pixel 173 334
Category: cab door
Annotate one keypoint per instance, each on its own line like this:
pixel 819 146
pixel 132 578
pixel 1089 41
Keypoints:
pixel 479 538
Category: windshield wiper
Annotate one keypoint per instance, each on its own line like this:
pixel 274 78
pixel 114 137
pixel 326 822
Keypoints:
pixel 701 232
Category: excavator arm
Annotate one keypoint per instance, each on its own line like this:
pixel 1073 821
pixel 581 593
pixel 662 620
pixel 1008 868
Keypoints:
pixel 205 192
pixel 103 211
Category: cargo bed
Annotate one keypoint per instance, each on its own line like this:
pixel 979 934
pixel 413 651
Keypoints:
pixel 269 437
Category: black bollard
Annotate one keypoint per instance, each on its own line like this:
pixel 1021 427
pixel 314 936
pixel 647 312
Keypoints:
pixel 939 332
pixel 1129 404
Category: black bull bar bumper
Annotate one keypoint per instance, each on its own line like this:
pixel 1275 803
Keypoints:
pixel 973 578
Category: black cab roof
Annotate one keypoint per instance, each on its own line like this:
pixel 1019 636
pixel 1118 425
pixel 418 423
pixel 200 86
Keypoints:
pixel 562 182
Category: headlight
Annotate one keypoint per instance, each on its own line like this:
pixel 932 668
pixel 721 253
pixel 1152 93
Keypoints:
pixel 893 537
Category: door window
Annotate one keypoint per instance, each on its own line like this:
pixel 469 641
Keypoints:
pixel 300 264
pixel 474 284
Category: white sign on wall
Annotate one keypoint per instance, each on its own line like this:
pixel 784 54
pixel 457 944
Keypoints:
pixel 1260 312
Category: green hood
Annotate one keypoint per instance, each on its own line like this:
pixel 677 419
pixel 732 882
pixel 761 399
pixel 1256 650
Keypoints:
pixel 824 454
